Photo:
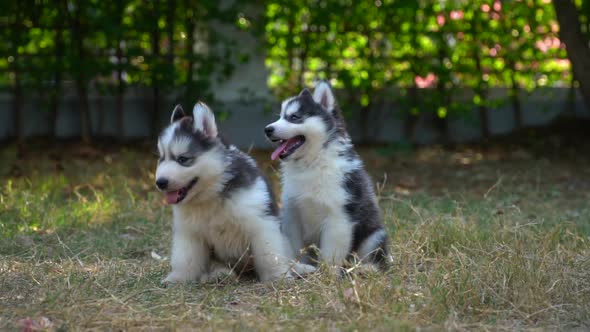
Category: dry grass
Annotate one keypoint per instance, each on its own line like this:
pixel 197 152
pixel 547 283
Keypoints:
pixel 492 240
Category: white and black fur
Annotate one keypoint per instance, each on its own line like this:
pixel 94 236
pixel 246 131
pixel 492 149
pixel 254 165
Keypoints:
pixel 223 208
pixel 328 198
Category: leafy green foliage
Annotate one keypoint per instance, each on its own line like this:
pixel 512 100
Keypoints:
pixel 365 46
pixel 164 43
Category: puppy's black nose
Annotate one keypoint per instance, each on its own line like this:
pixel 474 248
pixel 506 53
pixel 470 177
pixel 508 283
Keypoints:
pixel 269 130
pixel 162 183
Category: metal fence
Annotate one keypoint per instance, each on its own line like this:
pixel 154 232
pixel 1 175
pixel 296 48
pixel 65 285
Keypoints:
pixel 245 120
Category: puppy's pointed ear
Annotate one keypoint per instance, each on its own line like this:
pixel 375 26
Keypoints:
pixel 204 119
pixel 305 93
pixel 177 114
pixel 323 95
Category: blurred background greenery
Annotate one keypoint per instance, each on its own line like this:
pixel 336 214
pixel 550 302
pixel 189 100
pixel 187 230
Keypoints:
pixel 365 48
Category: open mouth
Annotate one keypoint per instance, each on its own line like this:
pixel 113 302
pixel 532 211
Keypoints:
pixel 287 147
pixel 176 196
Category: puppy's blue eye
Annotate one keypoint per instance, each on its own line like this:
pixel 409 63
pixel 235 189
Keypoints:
pixel 294 117
pixel 183 160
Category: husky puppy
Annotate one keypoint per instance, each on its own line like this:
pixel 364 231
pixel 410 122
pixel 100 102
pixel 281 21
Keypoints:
pixel 223 208
pixel 328 198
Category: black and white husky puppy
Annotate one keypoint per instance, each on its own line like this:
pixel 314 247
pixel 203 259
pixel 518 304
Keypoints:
pixel 223 208
pixel 328 198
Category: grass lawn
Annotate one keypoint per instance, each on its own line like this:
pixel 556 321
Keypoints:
pixel 494 240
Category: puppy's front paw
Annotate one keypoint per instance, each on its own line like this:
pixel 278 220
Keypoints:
pixel 274 274
pixel 177 277
pixel 301 269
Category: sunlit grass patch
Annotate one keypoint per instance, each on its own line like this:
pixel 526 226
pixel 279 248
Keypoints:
pixel 526 273
pixel 46 203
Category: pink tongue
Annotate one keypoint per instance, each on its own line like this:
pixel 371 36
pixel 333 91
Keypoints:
pixel 172 196
pixel 279 150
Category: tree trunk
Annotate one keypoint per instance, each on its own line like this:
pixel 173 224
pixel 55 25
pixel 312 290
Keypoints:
pixel 56 93
pixel 481 88
pixel 369 134
pixel 511 64
pixel 190 40
pixel 576 44
pixel 442 123
pixel 155 73
pixel 102 115
pixel 120 82
pixel 84 113
pixel 17 89
pixel 481 91
pixel 17 105
pixel 170 32
pixel 290 55
pixel 155 110
pixel 120 93
pixel 411 118
pixel 85 129
pixel 514 92
pixel 302 61
pixel 170 56
pixel 364 114
pixel 570 104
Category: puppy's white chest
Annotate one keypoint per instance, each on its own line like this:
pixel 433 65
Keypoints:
pixel 218 229
pixel 322 186
pixel 312 216
pixel 318 197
